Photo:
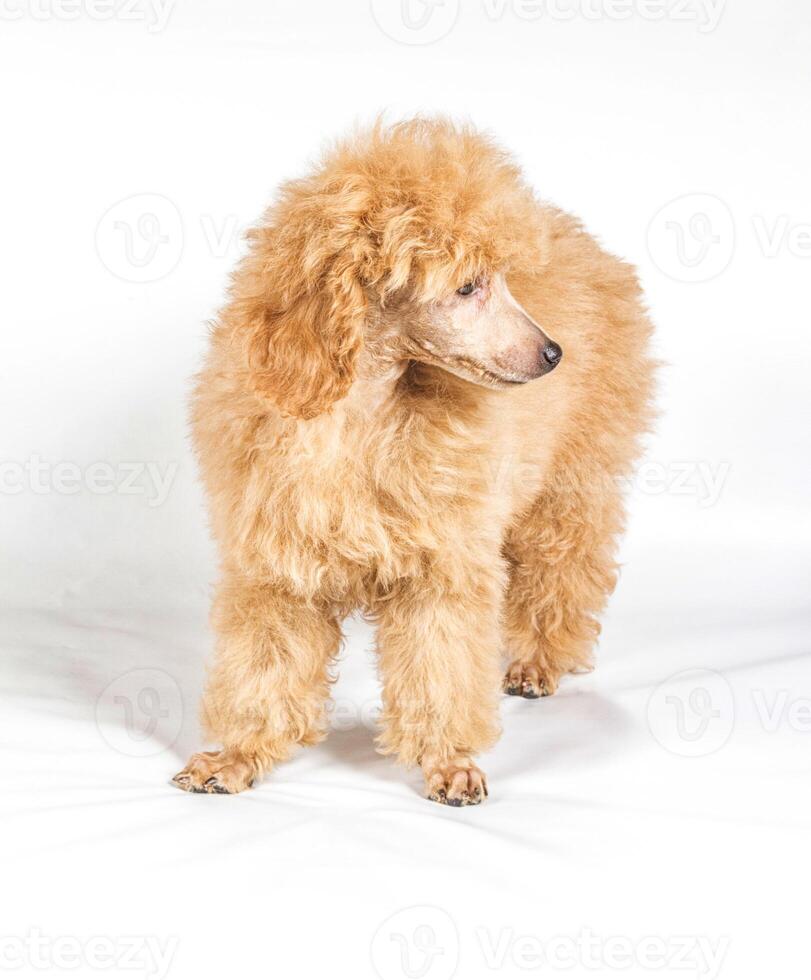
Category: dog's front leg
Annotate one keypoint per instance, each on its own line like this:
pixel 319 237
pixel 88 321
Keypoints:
pixel 268 685
pixel 439 647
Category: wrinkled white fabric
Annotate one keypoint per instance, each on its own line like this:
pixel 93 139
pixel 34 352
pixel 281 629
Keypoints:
pixel 619 808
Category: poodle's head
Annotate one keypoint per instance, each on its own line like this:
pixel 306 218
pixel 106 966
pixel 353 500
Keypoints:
pixel 401 243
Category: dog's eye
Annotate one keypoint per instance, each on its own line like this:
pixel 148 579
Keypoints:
pixel 467 289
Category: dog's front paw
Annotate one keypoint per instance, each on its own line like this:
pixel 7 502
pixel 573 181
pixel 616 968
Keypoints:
pixel 227 771
pixel 529 681
pixel 457 783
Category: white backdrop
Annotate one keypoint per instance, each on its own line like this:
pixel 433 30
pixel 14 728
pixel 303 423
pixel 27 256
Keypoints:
pixel 140 138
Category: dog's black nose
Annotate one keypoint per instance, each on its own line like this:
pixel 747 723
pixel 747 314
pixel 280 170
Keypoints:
pixel 552 354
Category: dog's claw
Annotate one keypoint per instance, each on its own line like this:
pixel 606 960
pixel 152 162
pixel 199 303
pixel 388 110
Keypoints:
pixel 459 783
pixel 528 681
pixel 216 772
pixel 213 785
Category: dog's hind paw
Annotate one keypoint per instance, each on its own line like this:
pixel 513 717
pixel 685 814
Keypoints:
pixel 459 783
pixel 216 772
pixel 529 681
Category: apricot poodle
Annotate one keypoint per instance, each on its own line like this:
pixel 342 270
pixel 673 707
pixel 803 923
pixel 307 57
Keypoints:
pixel 386 424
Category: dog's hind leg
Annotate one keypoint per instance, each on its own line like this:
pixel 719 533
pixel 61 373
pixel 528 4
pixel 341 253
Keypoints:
pixel 268 686
pixel 562 572
pixel 439 648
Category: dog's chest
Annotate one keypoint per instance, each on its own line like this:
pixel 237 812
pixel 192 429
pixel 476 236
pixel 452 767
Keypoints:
pixel 366 499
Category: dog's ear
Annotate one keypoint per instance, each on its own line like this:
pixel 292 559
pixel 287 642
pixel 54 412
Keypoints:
pixel 298 312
